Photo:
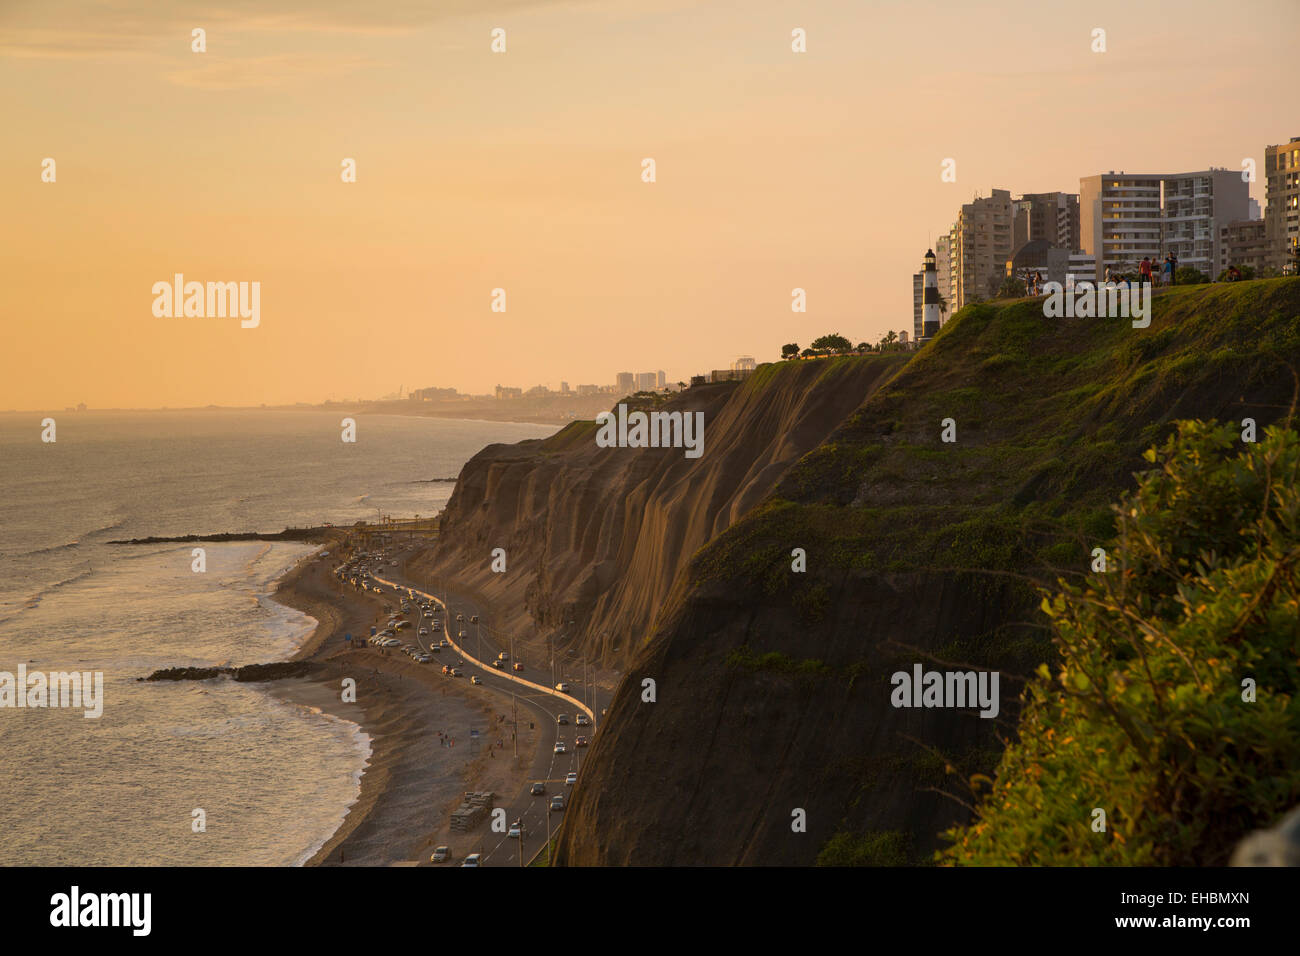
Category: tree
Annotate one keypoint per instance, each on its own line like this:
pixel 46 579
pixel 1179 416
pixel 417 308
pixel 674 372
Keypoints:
pixel 1150 710
pixel 863 347
pixel 832 342
pixel 790 351
pixel 887 341
pixel 943 307
pixel 1011 288
pixel 1189 275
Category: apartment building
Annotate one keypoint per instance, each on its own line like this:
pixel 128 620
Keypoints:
pixel 981 243
pixel 1243 243
pixel 1051 217
pixel 625 383
pixel 1119 220
pixel 944 269
pixel 917 293
pixel 1282 204
pixel 1197 206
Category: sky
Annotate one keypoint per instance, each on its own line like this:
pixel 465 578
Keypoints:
pixel 522 171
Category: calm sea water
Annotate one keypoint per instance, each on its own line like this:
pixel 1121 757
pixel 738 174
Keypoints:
pixel 274 779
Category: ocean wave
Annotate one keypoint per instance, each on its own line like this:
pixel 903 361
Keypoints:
pixel 34 599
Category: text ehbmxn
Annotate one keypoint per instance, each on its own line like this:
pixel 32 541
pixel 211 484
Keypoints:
pixel 653 430
pixel 218 300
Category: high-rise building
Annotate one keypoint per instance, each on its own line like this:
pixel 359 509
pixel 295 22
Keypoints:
pixel 930 300
pixel 661 379
pixel 918 284
pixel 1243 243
pixel 625 382
pixel 981 241
pixel 1051 217
pixel 943 270
pixel 1119 220
pixel 744 364
pixel 1282 204
pixel 1196 208
pixel 645 382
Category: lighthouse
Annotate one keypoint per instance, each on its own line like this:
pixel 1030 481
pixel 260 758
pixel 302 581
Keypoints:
pixel 929 300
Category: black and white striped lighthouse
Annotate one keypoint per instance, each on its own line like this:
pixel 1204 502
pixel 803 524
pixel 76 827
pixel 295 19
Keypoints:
pixel 930 299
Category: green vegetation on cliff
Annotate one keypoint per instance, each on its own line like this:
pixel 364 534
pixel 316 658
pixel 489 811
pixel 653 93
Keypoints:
pixel 1173 708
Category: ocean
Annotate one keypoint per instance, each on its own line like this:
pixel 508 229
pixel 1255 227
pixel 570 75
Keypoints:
pixel 274 780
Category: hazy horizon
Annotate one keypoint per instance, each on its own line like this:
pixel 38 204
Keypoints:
pixel 522 170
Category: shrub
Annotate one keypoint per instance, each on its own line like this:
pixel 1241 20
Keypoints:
pixel 1145 715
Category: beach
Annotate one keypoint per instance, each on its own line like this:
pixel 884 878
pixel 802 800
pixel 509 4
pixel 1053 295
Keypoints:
pixel 412 780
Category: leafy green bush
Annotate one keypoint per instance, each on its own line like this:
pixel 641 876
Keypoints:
pixel 1145 716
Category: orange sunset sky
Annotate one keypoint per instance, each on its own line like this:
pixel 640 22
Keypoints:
pixel 522 171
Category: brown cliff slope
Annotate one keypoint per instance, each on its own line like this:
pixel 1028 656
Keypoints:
pixel 597 536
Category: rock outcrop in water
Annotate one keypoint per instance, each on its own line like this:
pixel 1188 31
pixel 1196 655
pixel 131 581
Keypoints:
pixel 248 673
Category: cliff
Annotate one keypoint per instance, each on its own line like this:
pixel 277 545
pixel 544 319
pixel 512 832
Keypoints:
pixel 773 687
pixel 598 536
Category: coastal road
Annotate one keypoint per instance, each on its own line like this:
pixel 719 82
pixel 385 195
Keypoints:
pixel 540 704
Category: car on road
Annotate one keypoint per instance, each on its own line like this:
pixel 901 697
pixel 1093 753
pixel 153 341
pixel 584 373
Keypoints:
pixel 424 632
pixel 557 802
pixel 560 748
pixel 562 687
pixel 474 859
pixel 518 665
pixel 517 830
pixel 561 719
pixel 455 672
pixel 570 778
pixel 503 656
pixel 580 741
pixel 582 720
pixel 440 854
pixel 537 789
pixel 499 665
pixel 461 635
pixel 476 679
pixel 460 617
pixel 443 643
pixel 473 618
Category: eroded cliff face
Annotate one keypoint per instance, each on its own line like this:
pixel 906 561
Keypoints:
pixel 772 687
pixel 598 536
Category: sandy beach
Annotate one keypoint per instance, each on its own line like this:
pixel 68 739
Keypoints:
pixel 413 780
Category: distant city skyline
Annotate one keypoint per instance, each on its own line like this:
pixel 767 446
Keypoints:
pixel 522 172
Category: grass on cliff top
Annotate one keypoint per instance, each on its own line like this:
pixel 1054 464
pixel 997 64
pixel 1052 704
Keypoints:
pixel 1051 419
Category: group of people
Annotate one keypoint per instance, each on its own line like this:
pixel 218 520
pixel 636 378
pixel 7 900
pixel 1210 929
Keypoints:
pixel 1149 273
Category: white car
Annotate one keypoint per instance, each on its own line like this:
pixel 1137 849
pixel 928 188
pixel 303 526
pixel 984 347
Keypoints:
pixel 559 747
pixel 582 720
pixel 570 779
pixel 473 860
pixel 516 830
